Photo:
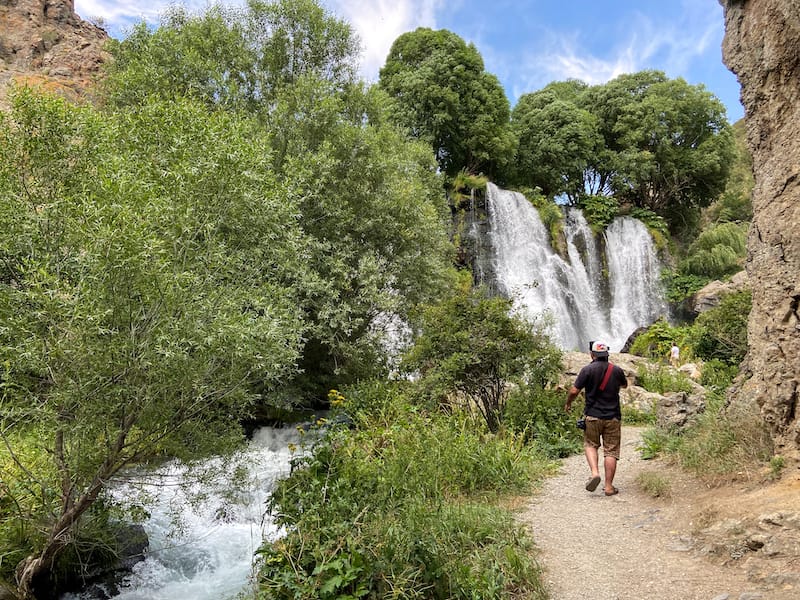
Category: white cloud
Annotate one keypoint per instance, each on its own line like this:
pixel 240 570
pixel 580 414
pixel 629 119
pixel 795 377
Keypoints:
pixel 117 13
pixel 379 22
pixel 670 48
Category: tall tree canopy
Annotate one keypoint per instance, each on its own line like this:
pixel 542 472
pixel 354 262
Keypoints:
pixel 443 96
pixel 368 199
pixel 672 141
pixel 559 141
pixel 234 57
pixel 237 219
pixel 650 141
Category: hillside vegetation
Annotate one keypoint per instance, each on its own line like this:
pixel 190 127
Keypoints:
pixel 233 230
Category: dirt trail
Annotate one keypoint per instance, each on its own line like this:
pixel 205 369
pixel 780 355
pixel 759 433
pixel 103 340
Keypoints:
pixel 630 546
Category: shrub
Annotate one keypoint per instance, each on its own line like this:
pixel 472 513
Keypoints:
pixel 717 375
pixel 599 211
pixel 656 342
pixel 662 380
pixel 397 508
pixel 472 346
pixel 718 251
pixel 721 332
pixel 538 415
pixel 551 215
pixel 680 286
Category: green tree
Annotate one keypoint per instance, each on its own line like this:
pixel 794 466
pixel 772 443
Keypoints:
pixel 443 96
pixel 472 345
pixel 671 143
pixel 234 57
pixel 559 142
pixel 735 204
pixel 369 200
pixel 141 294
pixel 372 204
pixel 717 252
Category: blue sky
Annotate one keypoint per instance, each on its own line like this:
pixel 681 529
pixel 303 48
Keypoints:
pixel 525 43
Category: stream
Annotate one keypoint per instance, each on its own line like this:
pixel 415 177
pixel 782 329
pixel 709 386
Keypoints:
pixel 210 555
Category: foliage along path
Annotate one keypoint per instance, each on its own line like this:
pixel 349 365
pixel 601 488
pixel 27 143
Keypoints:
pixel 630 546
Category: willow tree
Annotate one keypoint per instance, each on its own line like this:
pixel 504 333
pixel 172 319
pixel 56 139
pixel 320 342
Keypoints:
pixel 142 292
pixel 443 96
pixel 368 198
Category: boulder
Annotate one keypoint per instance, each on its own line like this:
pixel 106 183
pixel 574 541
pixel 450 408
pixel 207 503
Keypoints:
pixel 710 295
pixel 677 410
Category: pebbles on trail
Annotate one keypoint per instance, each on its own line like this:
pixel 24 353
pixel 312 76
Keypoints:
pixel 623 547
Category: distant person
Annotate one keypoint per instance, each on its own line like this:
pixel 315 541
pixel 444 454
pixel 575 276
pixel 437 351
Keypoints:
pixel 674 355
pixel 601 381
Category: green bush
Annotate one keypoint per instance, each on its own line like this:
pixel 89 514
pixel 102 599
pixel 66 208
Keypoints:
pixel 472 346
pixel 717 252
pixel 663 379
pixel 551 215
pixel 717 375
pixel 721 332
pixel 655 343
pixel 397 508
pixel 538 415
pixel 599 211
pixel 680 286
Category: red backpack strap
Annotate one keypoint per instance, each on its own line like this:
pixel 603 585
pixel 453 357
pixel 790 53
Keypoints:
pixel 606 377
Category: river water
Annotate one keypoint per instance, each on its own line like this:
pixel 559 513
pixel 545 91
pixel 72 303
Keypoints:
pixel 210 555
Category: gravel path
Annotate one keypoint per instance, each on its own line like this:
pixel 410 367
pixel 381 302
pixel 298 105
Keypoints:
pixel 626 546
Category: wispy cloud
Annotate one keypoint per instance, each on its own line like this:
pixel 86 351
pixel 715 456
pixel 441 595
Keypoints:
pixel 118 13
pixel 379 23
pixel 556 56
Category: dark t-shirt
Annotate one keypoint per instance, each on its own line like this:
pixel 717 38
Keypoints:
pixel 601 404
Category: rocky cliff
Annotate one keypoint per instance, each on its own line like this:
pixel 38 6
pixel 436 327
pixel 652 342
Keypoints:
pixel 44 43
pixel 762 47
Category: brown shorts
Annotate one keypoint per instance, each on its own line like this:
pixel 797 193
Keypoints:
pixel 607 430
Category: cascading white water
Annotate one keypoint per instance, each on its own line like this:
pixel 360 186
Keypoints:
pixel 573 292
pixel 633 272
pixel 212 557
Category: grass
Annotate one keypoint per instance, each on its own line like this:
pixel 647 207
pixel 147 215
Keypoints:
pixel 654 484
pixel 408 504
pixel 662 379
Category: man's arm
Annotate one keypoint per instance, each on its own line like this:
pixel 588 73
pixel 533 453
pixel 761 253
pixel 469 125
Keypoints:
pixel 573 393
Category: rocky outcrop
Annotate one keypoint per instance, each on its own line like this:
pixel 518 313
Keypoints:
pixel 762 47
pixel 711 294
pixel 44 44
pixel 673 410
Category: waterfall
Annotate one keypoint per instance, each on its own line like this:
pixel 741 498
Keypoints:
pixel 210 556
pixel 633 272
pixel 573 293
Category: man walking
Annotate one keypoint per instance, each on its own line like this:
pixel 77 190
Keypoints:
pixel 601 381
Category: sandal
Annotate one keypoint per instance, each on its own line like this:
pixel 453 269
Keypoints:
pixel 591 484
pixel 612 492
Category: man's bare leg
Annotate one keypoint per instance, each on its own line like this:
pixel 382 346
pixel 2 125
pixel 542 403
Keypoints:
pixel 610 465
pixel 591 458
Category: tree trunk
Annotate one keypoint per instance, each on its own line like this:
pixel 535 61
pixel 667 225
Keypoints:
pixel 762 47
pixel 34 570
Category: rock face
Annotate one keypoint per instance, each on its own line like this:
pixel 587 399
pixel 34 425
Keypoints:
pixel 44 43
pixel 711 294
pixel 762 47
